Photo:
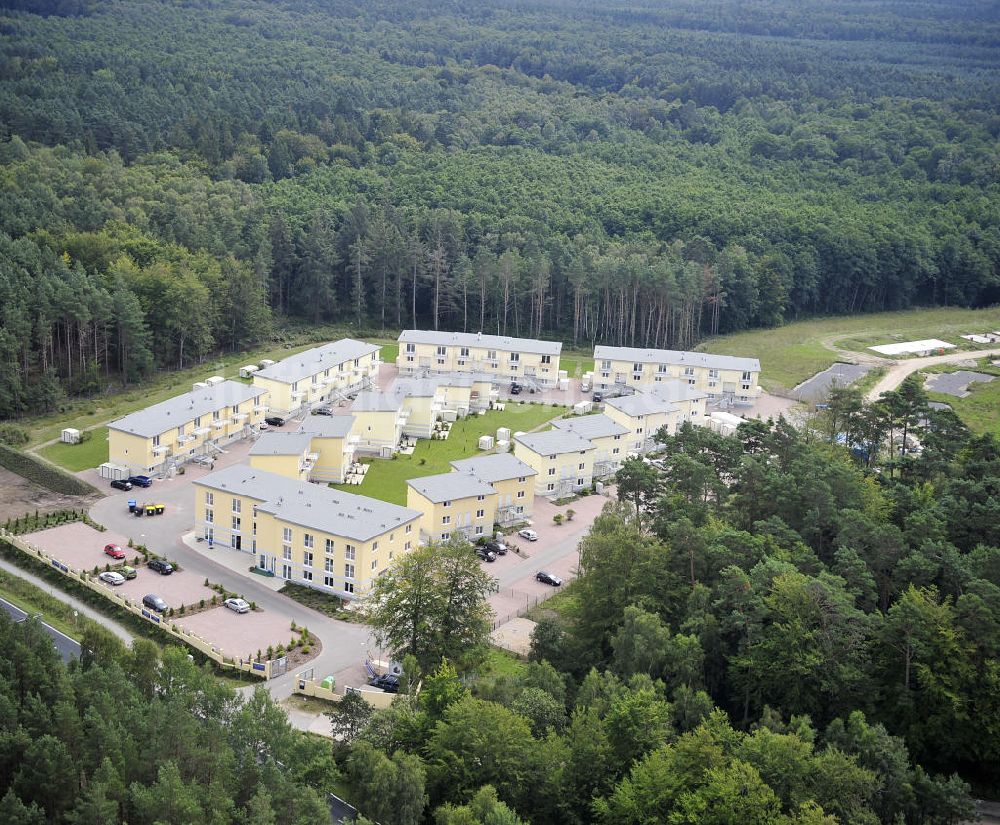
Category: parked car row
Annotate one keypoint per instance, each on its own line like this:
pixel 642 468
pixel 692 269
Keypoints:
pixel 131 481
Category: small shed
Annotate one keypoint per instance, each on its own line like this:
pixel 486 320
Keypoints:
pixel 503 434
pixel 248 370
pixel 70 436
pixel 266 362
pixel 564 384
pixel 215 379
pixel 503 446
pixel 112 471
pixel 582 407
pixel 486 442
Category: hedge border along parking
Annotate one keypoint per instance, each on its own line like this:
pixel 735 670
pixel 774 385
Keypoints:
pixel 42 474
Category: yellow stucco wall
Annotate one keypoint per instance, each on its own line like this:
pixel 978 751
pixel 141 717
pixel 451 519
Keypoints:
pixel 565 465
pixel 712 381
pixel 458 515
pixel 425 356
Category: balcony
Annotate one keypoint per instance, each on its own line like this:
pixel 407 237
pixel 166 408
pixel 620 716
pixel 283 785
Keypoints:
pixel 239 418
pixel 218 424
pixel 259 408
pixel 202 431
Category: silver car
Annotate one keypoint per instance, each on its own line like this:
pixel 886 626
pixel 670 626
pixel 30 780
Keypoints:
pixel 238 605
pixel 111 577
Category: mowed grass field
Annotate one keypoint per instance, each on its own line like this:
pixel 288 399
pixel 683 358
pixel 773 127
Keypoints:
pixel 980 410
pixel 792 353
pixel 386 478
pixel 76 457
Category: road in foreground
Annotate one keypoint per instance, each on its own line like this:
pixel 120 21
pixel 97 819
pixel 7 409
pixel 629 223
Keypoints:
pixel 68 647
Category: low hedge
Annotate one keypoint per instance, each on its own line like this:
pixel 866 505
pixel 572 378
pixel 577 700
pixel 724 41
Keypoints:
pixel 42 474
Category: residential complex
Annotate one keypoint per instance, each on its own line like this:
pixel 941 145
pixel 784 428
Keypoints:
pixel 309 534
pixel 721 376
pixel 156 439
pixel 319 375
pixel 609 437
pixel 452 503
pixel 503 359
pixel 563 460
pixel 513 480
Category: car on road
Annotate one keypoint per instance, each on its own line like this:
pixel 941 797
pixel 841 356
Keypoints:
pixel 497 547
pixel 111 577
pixel 598 397
pixel 322 411
pixel 126 571
pixel 389 682
pixel 164 568
pixel 114 551
pixel 121 484
pixel 530 535
pixel 274 421
pixel 140 481
pixel 237 605
pixel 486 555
pixel 154 602
pixel 548 578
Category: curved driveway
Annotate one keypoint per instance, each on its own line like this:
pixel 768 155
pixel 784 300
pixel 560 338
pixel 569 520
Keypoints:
pixel 899 370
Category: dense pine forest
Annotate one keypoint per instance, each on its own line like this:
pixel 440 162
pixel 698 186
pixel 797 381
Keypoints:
pixel 177 177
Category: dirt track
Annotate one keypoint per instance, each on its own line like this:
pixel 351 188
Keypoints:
pixel 897 372
pixel 19 496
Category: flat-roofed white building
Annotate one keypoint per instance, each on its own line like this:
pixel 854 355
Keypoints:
pixel 721 376
pixel 319 375
pixel 504 359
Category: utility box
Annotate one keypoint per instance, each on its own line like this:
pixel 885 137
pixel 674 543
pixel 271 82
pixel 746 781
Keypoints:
pixel 563 384
pixel 503 446
pixel 215 379
pixel 503 434
pixel 266 362
pixel 563 374
pixel 248 370
pixel 486 442
pixel 199 385
pixel 583 407
pixel 70 436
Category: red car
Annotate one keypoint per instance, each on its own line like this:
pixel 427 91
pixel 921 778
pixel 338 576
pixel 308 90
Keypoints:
pixel 114 551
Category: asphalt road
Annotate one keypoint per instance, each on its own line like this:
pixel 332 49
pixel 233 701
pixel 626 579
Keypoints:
pixel 68 648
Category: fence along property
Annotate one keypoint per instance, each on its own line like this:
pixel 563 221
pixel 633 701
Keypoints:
pixel 261 669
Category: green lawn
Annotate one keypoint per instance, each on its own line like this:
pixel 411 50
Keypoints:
pixel 83 456
pixel 386 479
pixel 576 362
pixel 792 353
pixel 980 410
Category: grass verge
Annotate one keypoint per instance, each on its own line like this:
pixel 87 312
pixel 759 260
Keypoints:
pixel 42 474
pixel 386 479
pixel 320 602
pixel 792 353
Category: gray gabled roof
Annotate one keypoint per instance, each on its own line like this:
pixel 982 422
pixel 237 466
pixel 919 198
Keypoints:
pixel 495 467
pixel 477 339
pixel 554 442
pixel 182 409
pixel 677 358
pixel 673 391
pixel 641 404
pixel 315 360
pixel 328 426
pixel 450 486
pixel 591 426
pixel 374 401
pixel 311 506
pixel 274 443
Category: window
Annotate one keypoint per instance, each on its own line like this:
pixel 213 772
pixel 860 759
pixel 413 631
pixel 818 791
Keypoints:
pixel 307 575
pixel 209 517
pixel 464 352
pixel 520 493
pixel 638 430
pixel 551 487
pixel 552 471
pixel 440 362
pixel 637 368
pixel 348 587
pixel 445 536
pixel 286 553
pixel 392 536
pixel 519 509
pixel 286 534
pixel 216 415
pixel 180 431
pixel 374 546
pixel 480 513
pixel 479 530
pixel 286 571
pixel 480 498
pixel 546 359
pixel 522 479
pixel 209 534
pixel 442 350
pixel 350 552
pixel 348 571
pixel 714 373
pixel 307 559
pixel 209 499
pixel 328 565
pixel 307 540
pixel 408 545
pixel 579 482
pixel 618 438
pixel 446 504
pixel 552 458
pixel 328 581
pixel 491 355
pixel 329 547
pixel 616 450
pixel 411 347
pixel 582 465
pixel 374 564
pixel 661 368
pixel 295 386
pixel 409 528
pixel 747 376
pixel 446 519
pixel 237 505
pixel 409 358
pixel 689 370
pixel 197 421
pixel 236 524
pixel 515 357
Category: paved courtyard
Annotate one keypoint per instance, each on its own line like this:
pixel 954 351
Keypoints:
pixel 240 635
pixel 80 546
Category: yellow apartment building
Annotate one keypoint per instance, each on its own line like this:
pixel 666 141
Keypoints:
pixel 563 460
pixel 160 437
pixel 690 401
pixel 452 503
pixel 513 480
pixel 379 419
pixel 503 359
pixel 609 437
pixel 721 376
pixel 644 415
pixel 319 375
pixel 312 535
pixel 333 443
pixel 287 454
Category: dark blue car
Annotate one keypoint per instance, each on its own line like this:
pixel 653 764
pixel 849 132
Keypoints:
pixel 141 481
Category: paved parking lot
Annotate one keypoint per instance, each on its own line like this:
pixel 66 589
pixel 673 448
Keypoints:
pixel 79 546
pixel 240 634
pixel 818 387
pixel 176 589
pixel 955 383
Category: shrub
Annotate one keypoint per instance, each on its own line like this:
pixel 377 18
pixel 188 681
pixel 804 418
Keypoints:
pixel 215 600
pixel 181 611
pixel 13 435
pixel 270 651
pixel 253 605
pixel 45 475
pixel 293 625
pixel 558 519
pixel 305 649
pixel 201 604
pixel 570 513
